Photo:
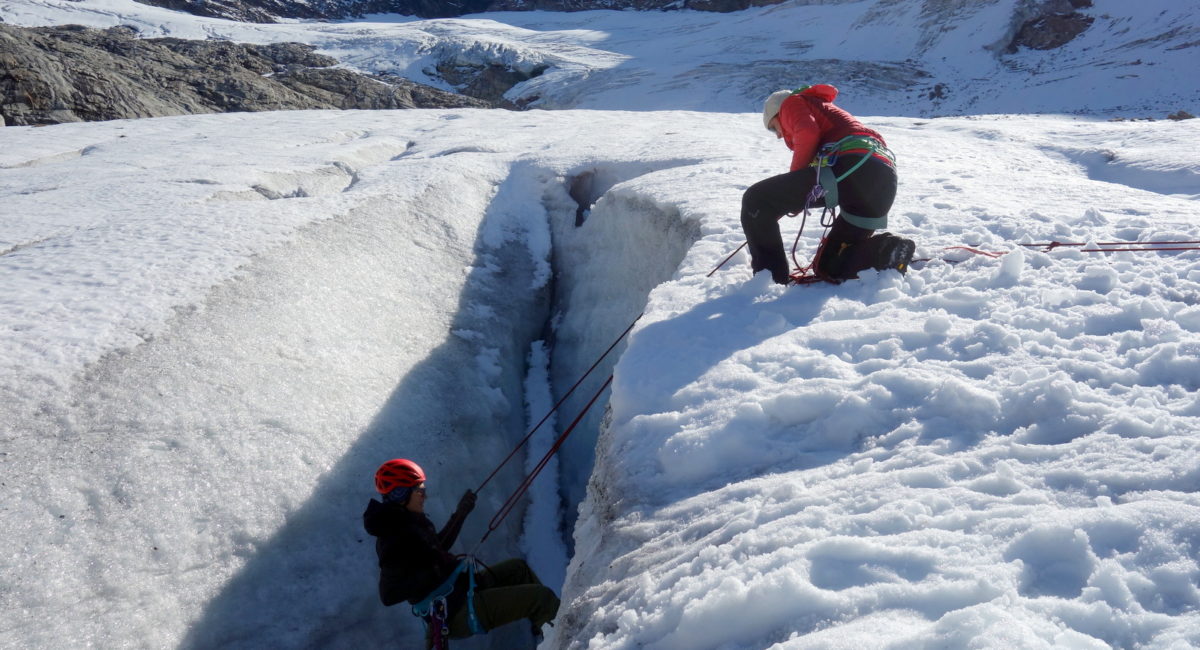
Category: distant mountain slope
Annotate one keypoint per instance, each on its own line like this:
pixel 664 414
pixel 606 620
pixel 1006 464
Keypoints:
pixel 50 75
pixel 265 11
pixel 923 58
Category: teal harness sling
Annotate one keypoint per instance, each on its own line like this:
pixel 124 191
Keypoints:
pixel 868 147
pixel 433 609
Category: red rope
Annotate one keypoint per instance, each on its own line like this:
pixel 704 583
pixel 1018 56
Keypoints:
pixel 558 404
pixel 735 252
pixel 1130 247
pixel 1055 244
pixel 1132 250
pixel 524 487
pixel 809 274
pixel 975 250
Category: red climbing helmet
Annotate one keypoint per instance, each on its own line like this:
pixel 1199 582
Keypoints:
pixel 396 473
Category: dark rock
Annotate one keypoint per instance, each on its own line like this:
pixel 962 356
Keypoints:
pixel 1049 24
pixel 487 82
pixel 263 11
pixel 723 6
pixel 267 11
pixel 70 73
pixel 726 6
pixel 1049 32
pixel 1181 115
pixel 254 11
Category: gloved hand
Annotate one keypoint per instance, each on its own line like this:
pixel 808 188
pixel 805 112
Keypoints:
pixel 466 504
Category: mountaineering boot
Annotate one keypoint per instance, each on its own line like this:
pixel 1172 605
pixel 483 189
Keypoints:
pixel 892 252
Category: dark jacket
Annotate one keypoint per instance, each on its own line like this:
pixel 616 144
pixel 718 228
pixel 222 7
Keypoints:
pixel 414 557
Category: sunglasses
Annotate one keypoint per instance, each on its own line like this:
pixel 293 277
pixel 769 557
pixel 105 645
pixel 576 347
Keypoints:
pixel 419 490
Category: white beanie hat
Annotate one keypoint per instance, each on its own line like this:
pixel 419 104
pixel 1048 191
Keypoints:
pixel 771 107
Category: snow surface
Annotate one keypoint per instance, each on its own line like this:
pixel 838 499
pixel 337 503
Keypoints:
pixel 215 328
pixel 994 453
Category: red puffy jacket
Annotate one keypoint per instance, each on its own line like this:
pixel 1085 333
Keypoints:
pixel 809 119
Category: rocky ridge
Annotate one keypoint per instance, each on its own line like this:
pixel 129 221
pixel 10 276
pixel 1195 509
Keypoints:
pixel 70 73
pixel 1052 24
pixel 270 10
pixel 1049 23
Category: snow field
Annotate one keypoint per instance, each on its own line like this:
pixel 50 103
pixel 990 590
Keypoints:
pixel 893 452
pixel 216 327
pixel 306 300
pixel 161 511
pixel 994 452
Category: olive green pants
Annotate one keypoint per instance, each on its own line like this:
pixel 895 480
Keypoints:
pixel 505 592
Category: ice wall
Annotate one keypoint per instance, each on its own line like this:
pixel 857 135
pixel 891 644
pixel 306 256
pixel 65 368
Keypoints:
pixel 605 267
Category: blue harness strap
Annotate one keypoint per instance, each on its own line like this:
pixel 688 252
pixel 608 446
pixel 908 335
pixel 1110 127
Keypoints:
pixel 433 609
pixel 472 618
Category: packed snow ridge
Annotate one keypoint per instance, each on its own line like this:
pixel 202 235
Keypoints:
pixel 980 451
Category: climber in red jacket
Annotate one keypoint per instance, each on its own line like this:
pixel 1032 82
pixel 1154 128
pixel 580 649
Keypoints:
pixel 852 164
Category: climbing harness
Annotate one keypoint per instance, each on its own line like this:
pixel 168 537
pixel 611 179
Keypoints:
pixel 864 146
pixel 827 187
pixel 435 611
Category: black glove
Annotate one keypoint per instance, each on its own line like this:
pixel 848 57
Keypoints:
pixel 466 504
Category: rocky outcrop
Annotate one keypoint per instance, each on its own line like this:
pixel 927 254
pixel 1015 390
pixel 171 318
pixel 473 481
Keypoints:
pixel 487 82
pixel 723 6
pixel 70 73
pixel 269 10
pixel 1054 24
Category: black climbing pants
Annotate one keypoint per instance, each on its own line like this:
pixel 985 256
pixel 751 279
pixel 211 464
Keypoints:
pixel 867 192
pixel 505 592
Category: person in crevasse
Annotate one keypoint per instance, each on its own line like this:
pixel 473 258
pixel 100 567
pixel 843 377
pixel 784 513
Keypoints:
pixel 415 563
pixel 851 162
